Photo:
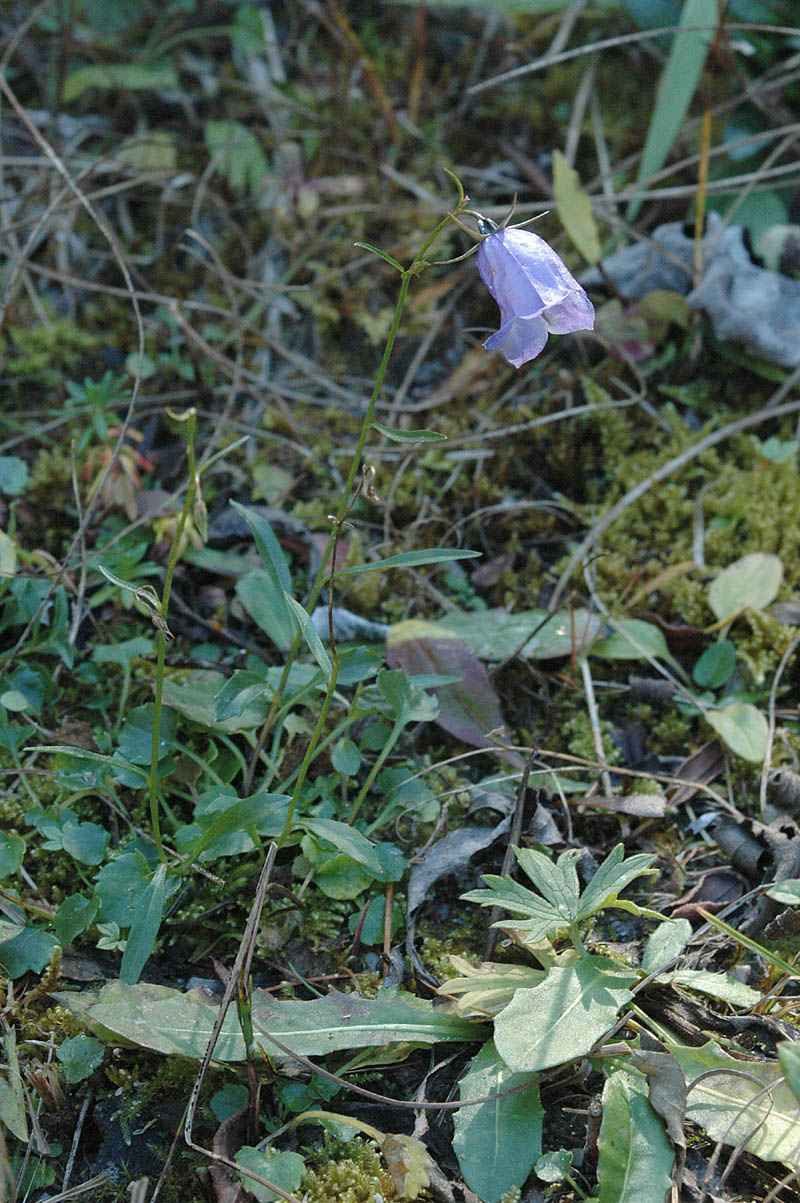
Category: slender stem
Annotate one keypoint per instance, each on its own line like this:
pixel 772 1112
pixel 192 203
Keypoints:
pixel 310 750
pixel 394 735
pixel 162 631
pixel 416 266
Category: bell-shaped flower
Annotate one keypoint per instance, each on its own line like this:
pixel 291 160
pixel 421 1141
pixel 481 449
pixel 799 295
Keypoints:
pixel 536 294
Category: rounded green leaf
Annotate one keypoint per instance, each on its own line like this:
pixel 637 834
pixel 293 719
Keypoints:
pixel 749 583
pixel 80 1057
pixel 715 666
pixel 743 728
pixel 285 1170
pixel 787 892
pixel 12 850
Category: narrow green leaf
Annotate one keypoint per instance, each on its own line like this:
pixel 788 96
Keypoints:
pixel 635 1155
pixel 409 559
pixel 575 209
pixel 346 838
pixel 144 930
pixel 716 985
pixel 789 1057
pixel 169 1021
pixel 263 813
pixel 269 548
pixel 311 635
pixel 676 87
pixel 264 599
pixel 13 1111
pixel 133 77
pixel 376 250
pixel 408 436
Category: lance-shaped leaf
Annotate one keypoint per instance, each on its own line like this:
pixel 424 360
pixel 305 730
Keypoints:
pixel 742 1101
pixel 635 1155
pixel 169 1021
pixel 498 1141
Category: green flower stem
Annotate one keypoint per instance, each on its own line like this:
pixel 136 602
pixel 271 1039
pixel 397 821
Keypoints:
pixel 329 739
pixel 310 750
pixel 394 735
pixel 418 263
pixel 190 417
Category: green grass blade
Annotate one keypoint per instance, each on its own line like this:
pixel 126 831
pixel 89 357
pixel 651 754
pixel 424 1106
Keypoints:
pixel 676 88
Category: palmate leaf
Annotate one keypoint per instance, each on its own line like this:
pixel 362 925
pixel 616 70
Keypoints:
pixel 563 904
pixel 557 881
pixel 610 880
pixel 540 918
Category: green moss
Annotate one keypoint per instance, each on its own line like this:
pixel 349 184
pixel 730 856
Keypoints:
pixel 657 531
pixel 512 1195
pixel 577 731
pixel 358 1176
pixel 51 478
pixel 669 731
pixel 45 350
pixel 761 650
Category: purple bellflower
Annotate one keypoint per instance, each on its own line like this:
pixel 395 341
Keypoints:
pixel 536 294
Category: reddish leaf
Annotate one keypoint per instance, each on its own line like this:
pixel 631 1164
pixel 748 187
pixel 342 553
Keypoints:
pixel 469 707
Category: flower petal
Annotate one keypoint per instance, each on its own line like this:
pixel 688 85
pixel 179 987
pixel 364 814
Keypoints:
pixel 575 312
pixel 508 281
pixel 519 340
pixel 535 291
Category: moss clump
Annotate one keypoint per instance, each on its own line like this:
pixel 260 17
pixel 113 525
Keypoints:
pixel 577 731
pixel 50 483
pixel 45 350
pixel 761 651
pixel 358 1177
pixel 668 730
pixel 657 531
